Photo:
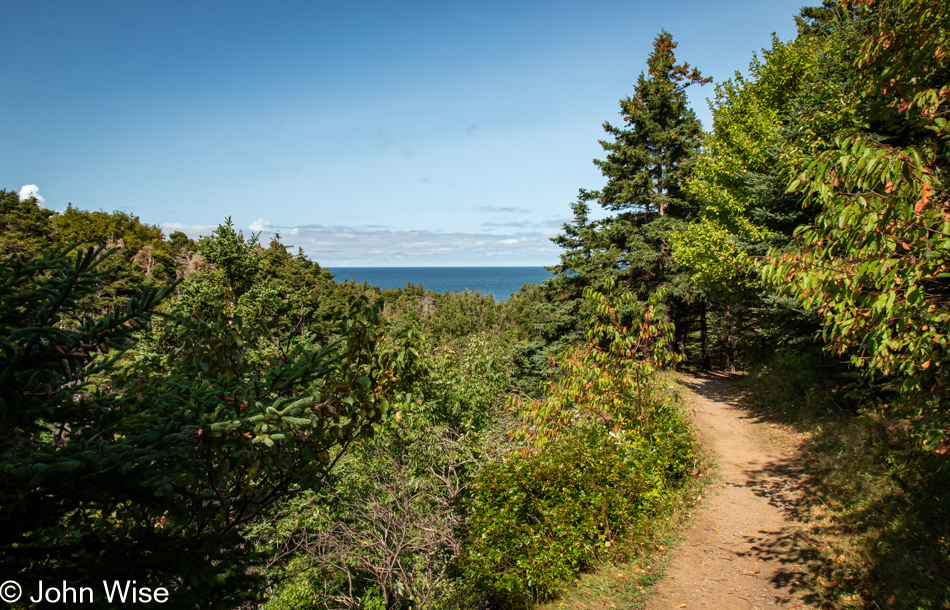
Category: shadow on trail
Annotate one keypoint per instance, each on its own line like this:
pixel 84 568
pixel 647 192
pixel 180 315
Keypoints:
pixel 778 480
pixel 873 511
pixel 720 387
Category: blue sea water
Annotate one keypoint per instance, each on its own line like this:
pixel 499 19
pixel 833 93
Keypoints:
pixel 500 282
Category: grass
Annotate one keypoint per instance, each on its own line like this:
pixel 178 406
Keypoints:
pixel 875 510
pixel 626 585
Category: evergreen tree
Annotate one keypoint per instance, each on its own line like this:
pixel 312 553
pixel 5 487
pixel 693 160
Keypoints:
pixel 646 166
pixel 24 225
pixel 650 157
pixel 648 160
pixel 113 466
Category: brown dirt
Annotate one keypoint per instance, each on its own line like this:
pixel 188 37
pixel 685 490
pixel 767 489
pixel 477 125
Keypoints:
pixel 737 553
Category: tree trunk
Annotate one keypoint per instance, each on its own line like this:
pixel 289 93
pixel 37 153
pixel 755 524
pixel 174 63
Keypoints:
pixel 704 336
pixel 729 342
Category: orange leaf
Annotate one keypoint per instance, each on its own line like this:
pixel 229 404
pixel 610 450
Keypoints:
pixel 924 197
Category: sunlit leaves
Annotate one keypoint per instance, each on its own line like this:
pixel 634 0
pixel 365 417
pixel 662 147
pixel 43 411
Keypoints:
pixel 875 262
pixel 610 378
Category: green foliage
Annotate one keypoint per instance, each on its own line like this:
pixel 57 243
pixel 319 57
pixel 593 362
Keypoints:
pixel 24 225
pixel 102 228
pixel 611 377
pixel 743 204
pixel 608 445
pixel 874 504
pixel 874 263
pixel 116 472
pixel 647 163
pixel 410 479
pixel 648 160
pixel 233 258
pixel 467 380
pixel 143 251
pixel 541 516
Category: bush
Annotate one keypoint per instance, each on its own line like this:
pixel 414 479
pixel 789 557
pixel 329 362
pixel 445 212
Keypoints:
pixel 542 516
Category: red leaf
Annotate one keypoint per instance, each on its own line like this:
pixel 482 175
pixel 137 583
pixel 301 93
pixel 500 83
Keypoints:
pixel 924 198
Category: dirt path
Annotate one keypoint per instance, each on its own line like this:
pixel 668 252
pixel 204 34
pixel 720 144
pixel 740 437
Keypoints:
pixel 737 553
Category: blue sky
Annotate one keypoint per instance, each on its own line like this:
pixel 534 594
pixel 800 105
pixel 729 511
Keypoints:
pixel 368 133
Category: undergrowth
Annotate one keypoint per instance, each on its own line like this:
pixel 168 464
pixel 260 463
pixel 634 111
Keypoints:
pixel 625 579
pixel 875 507
pixel 627 583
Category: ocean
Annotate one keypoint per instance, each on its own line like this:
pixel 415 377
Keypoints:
pixel 500 282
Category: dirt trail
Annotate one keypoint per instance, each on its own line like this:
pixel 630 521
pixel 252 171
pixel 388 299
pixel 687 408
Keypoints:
pixel 737 552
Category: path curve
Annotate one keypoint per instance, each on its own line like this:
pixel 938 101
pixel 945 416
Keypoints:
pixel 737 553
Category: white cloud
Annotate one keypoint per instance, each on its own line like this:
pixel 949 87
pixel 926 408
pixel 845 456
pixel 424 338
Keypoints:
pixel 379 246
pixel 550 227
pixel 507 209
pixel 192 231
pixel 376 246
pixel 31 190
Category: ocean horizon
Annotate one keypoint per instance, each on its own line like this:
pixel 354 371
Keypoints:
pixel 499 282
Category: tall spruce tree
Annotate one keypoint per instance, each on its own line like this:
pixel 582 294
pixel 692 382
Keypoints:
pixel 650 157
pixel 648 160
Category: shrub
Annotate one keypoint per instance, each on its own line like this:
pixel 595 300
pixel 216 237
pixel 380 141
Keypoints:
pixel 542 516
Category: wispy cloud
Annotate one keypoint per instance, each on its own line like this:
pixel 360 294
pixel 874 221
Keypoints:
pixel 31 190
pixel 192 231
pixel 507 209
pixel 554 223
pixel 375 246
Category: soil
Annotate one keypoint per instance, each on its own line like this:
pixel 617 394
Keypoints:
pixel 738 552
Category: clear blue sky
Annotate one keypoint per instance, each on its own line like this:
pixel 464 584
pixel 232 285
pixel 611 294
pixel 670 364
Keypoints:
pixel 368 133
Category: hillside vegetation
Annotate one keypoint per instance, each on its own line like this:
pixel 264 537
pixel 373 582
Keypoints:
pixel 226 420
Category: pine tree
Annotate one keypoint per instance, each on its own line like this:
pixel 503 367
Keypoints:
pixel 118 461
pixel 648 160
pixel 647 163
pixel 650 157
pixel 24 225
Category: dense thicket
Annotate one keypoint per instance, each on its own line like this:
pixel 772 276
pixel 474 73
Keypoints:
pixel 823 198
pixel 142 436
pixel 226 421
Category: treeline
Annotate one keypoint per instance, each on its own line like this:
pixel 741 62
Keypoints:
pixel 814 215
pixel 804 239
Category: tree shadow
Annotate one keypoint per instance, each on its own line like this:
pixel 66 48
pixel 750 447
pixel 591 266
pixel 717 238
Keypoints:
pixel 873 510
pixel 713 385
